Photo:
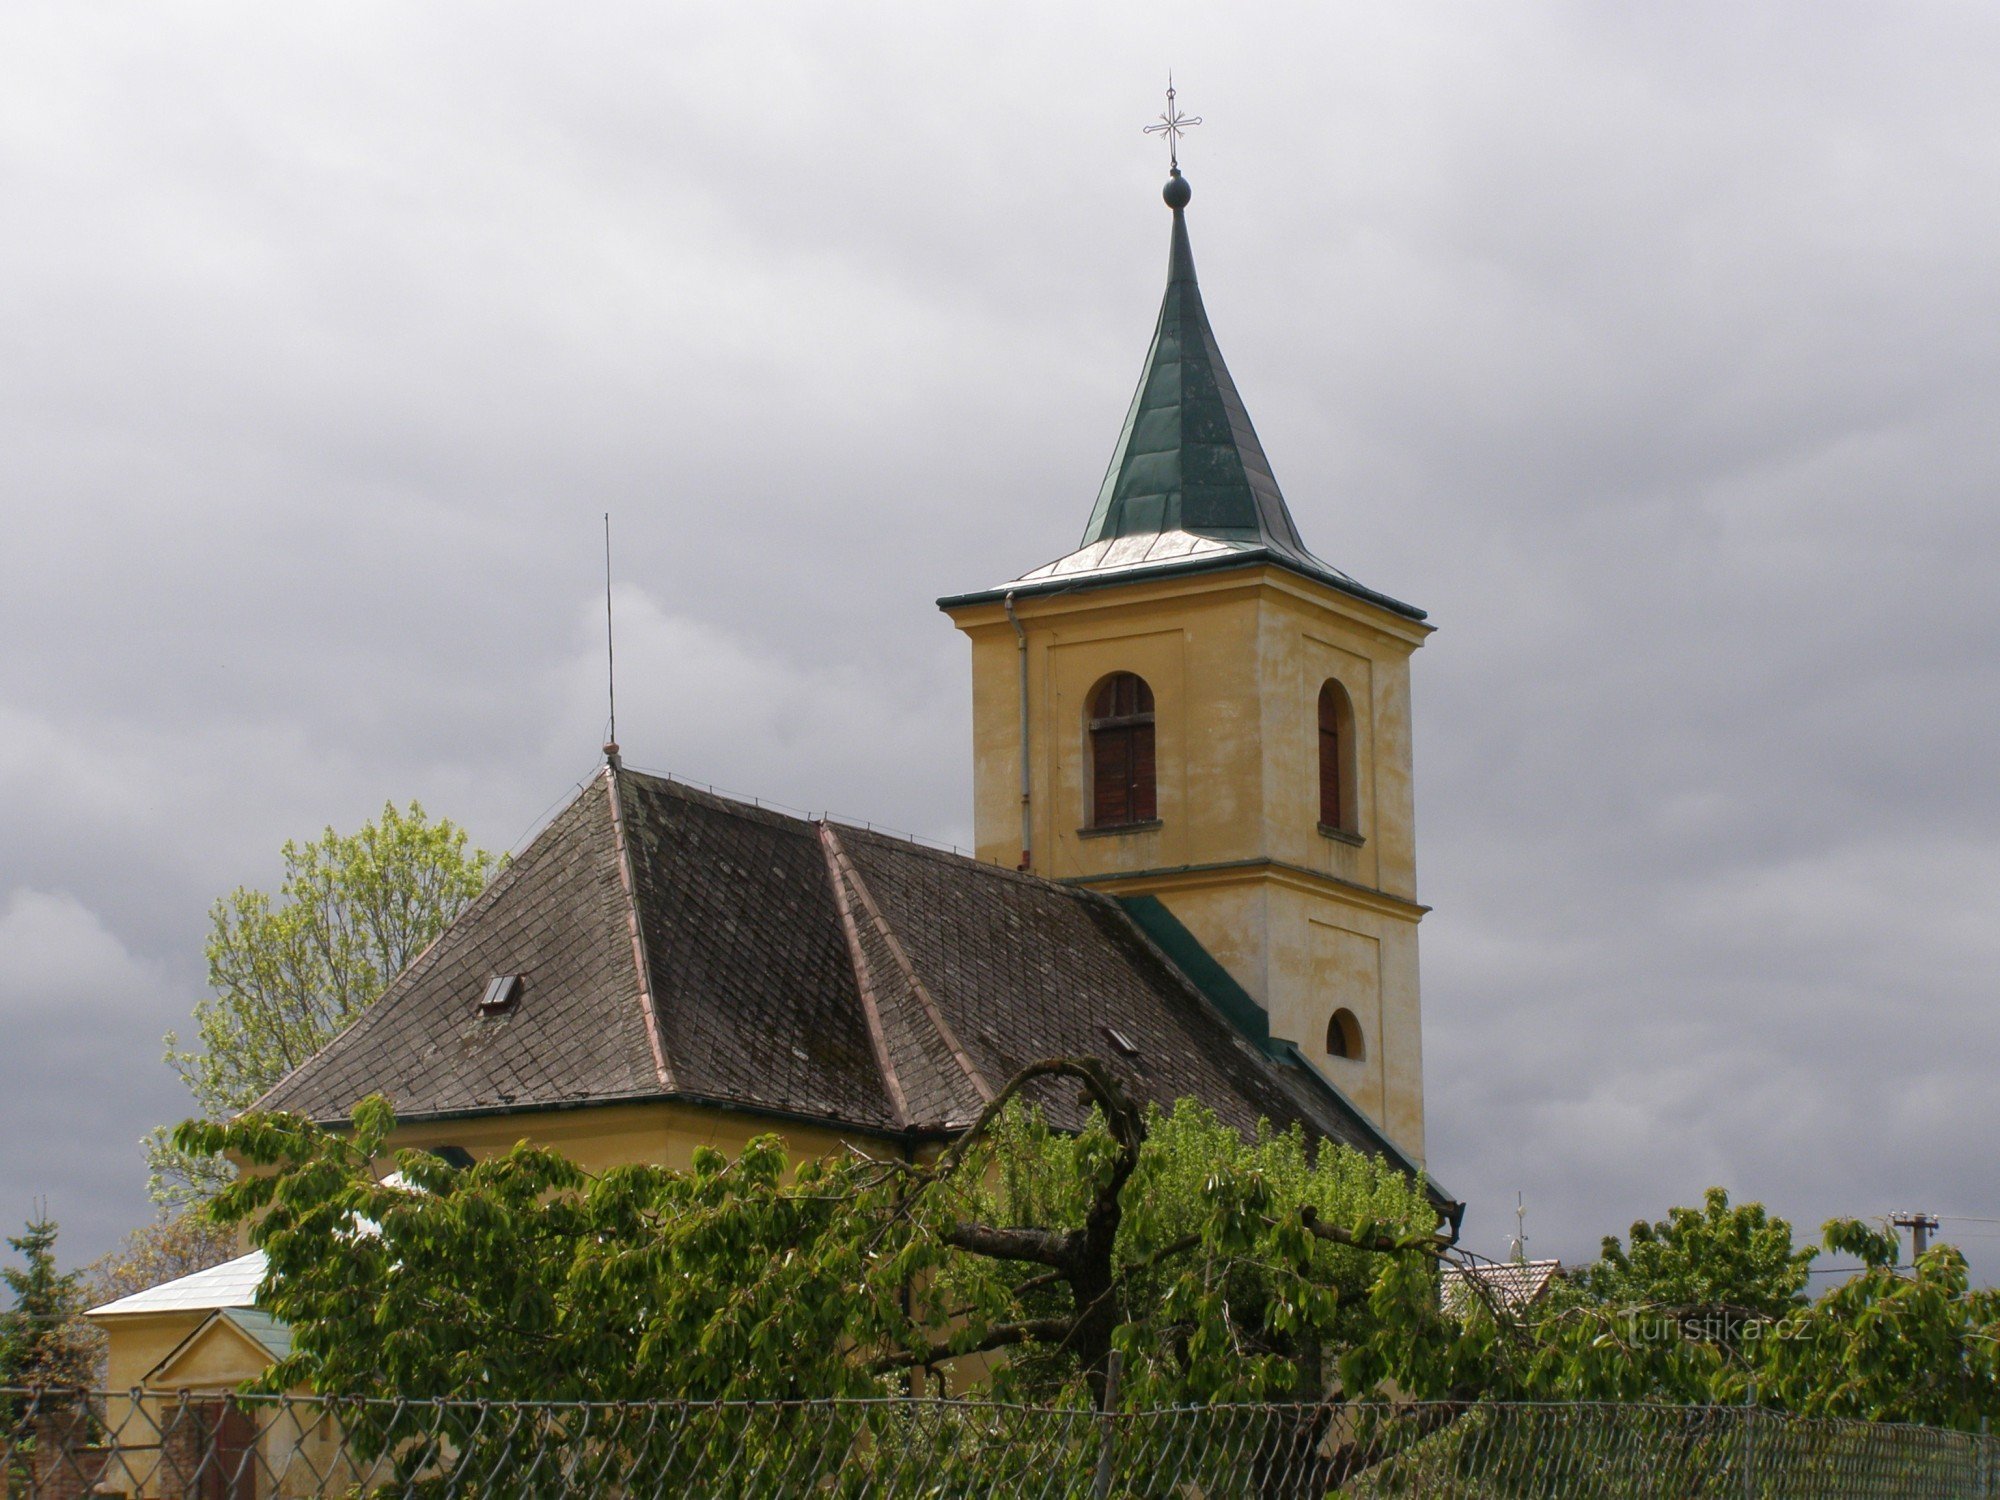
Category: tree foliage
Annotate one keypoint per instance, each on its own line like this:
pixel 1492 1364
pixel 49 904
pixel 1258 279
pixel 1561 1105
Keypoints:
pixel 1884 1346
pixel 1739 1262
pixel 1709 1305
pixel 288 972
pixel 1222 1267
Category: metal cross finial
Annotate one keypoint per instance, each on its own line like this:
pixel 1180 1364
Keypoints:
pixel 1172 123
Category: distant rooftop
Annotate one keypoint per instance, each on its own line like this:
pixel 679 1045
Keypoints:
pixel 232 1284
pixel 1511 1284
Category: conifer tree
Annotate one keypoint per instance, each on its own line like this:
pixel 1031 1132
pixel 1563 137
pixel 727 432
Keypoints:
pixel 43 1341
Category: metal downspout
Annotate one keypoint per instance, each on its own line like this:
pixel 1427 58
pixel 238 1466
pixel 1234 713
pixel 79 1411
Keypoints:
pixel 1027 837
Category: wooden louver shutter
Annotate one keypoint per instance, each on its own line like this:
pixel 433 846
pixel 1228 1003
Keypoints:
pixel 1144 800
pixel 1330 810
pixel 1121 753
pixel 1110 777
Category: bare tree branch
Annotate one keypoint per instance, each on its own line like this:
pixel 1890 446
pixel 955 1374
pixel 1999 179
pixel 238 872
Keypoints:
pixel 1127 1125
pixel 1083 1256
pixel 1045 1247
pixel 1379 1244
pixel 1000 1336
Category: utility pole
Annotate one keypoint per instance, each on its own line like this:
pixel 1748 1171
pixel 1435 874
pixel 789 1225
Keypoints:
pixel 1921 1227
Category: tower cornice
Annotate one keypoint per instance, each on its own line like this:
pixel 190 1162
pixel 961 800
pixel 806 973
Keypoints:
pixel 1205 876
pixel 1110 597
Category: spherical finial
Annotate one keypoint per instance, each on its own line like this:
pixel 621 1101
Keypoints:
pixel 1177 192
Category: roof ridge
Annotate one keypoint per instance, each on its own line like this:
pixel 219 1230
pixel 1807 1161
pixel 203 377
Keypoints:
pixel 372 1014
pixel 864 979
pixel 972 861
pixel 847 868
pixel 628 885
pixel 707 796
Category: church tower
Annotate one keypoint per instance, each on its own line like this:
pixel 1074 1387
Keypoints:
pixel 1194 714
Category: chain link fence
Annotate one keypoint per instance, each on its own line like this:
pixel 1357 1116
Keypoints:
pixel 59 1445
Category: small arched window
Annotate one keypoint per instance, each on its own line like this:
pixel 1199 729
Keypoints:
pixel 1121 753
pixel 1336 759
pixel 1343 1035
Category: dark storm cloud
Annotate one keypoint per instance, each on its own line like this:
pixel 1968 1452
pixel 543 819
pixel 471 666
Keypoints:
pixel 1650 348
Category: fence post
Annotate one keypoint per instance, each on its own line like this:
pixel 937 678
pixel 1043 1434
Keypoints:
pixel 1106 1428
pixel 1985 1458
pixel 1750 1441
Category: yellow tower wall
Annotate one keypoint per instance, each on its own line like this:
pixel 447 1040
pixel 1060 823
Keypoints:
pixel 1305 919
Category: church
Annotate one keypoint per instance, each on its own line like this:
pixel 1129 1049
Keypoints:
pixel 1195 860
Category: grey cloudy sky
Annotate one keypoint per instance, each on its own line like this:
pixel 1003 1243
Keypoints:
pixel 1652 348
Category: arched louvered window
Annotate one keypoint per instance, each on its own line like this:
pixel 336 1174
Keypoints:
pixel 1121 753
pixel 1343 1035
pixel 1336 759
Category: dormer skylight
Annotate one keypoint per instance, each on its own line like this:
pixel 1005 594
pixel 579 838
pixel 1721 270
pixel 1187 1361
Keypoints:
pixel 1122 1042
pixel 503 992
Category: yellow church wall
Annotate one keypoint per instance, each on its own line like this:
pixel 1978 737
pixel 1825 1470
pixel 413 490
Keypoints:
pixel 1235 661
pixel 1332 955
pixel 1191 650
pixel 663 1132
pixel 137 1345
pixel 1311 633
pixel 1301 953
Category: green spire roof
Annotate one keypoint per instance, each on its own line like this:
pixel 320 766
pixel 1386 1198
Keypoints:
pixel 1189 488
pixel 1188 458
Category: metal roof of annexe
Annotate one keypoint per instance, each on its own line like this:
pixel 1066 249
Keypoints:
pixel 232 1284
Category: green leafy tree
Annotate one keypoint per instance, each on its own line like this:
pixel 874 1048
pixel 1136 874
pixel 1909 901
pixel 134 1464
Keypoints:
pixel 1241 1269
pixel 1708 1305
pixel 1222 1267
pixel 288 972
pixel 1711 1267
pixel 43 1340
pixel 1888 1347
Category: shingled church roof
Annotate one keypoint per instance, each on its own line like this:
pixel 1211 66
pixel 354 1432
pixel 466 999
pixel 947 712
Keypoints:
pixel 672 944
